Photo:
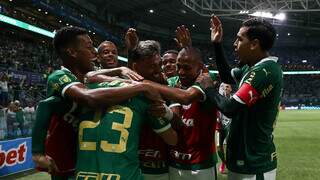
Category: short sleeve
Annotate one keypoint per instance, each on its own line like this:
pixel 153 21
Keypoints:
pixel 59 82
pixel 159 125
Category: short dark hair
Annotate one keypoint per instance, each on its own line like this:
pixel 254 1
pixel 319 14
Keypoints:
pixel 144 50
pixel 171 51
pixel 65 36
pixel 195 52
pixel 262 30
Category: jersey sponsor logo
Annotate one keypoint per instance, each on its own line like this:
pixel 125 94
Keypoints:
pixel 154 164
pixel 248 94
pixel 180 155
pixel 188 122
pixel 150 153
pixel 64 79
pixel 267 90
pixel 251 76
pixel 13 156
pixel 92 175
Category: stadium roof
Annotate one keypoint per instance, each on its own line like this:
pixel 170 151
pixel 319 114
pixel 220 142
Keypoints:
pixel 162 16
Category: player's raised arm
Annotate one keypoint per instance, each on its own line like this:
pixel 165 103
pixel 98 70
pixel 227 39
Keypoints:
pixel 221 61
pixel 183 37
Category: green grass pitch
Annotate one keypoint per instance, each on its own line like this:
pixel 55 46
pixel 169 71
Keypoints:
pixel 297 138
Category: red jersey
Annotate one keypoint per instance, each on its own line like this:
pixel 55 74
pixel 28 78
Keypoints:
pixel 196 136
pixel 153 152
pixel 61 145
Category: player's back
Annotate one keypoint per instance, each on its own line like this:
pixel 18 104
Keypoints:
pixel 109 138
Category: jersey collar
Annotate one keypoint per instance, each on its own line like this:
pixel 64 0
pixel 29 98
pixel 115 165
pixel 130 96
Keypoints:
pixel 269 58
pixel 65 69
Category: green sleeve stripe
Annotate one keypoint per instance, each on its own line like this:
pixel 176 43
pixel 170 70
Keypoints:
pixel 203 93
pixel 67 86
pixel 161 130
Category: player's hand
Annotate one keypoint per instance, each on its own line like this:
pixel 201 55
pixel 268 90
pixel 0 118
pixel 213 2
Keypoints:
pixel 131 39
pixel 45 162
pixel 157 109
pixel 152 93
pixel 205 81
pixel 216 29
pixel 183 37
pixel 126 72
pixel 52 168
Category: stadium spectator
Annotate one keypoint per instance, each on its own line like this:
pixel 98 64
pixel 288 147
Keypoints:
pixel 4 96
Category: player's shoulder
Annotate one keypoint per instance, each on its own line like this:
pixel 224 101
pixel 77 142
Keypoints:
pixel 270 62
pixel 62 74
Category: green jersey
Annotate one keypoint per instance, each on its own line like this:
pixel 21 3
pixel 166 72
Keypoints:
pixel 59 81
pixel 250 147
pixel 109 139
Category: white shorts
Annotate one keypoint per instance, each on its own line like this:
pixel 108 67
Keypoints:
pixel 164 176
pixel 201 174
pixel 271 175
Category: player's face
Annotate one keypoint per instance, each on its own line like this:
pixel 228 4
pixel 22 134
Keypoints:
pixel 86 53
pixel 227 89
pixel 108 56
pixel 188 68
pixel 150 68
pixel 242 46
pixel 169 65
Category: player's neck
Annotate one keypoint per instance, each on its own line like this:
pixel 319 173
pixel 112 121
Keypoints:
pixel 258 58
pixel 75 71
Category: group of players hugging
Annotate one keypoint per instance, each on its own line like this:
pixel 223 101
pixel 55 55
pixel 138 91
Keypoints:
pixel 156 118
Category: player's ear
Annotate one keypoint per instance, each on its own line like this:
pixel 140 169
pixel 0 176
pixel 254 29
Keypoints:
pixel 254 44
pixel 71 52
pixel 134 66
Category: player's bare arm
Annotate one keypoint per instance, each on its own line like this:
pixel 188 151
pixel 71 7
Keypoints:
pixel 131 39
pixel 120 71
pixel 108 96
pixel 221 61
pixel 178 95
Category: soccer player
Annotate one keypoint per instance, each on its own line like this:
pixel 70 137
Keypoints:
pixel 108 55
pixel 169 63
pixel 109 138
pixel 74 47
pixel 223 125
pixel 145 60
pixel 251 153
pixel 194 156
